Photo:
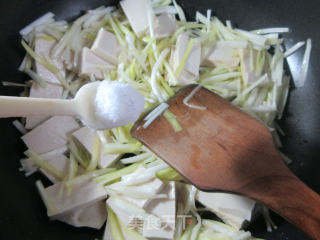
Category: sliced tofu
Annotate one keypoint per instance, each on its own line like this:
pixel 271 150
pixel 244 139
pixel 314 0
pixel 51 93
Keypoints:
pixel 221 54
pixel 106 46
pixel 186 78
pixel 93 216
pixel 85 137
pixel 61 163
pixel 152 187
pixel 165 209
pixel 82 195
pixel 192 65
pixel 33 121
pixel 108 235
pixel 51 134
pixel 90 63
pixel 248 74
pixel 124 216
pixel 165 25
pixel 137 13
pixel 44 46
pixel 232 209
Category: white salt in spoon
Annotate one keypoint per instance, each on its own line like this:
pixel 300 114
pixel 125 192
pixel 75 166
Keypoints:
pixel 101 105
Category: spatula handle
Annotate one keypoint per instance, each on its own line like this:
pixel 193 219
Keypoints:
pixel 25 106
pixel 290 198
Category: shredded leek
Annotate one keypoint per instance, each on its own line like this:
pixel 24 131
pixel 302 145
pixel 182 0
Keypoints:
pixel 118 148
pixel 95 156
pixel 258 85
pixel 184 58
pixel 169 174
pixel 172 119
pixel 40 59
pixel 114 225
pixel 45 198
pixel 40 162
pixel 80 155
pixel 109 177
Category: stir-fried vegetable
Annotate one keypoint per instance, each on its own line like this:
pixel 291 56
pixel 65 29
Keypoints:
pixel 157 55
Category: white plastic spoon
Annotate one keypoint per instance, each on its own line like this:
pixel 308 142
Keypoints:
pixel 101 105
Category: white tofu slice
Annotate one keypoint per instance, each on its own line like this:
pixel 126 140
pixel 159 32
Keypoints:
pixel 165 209
pixel 51 134
pixel 165 25
pixel 44 46
pixel 33 121
pixel 186 77
pixel 232 209
pixel 123 216
pixel 106 46
pixel 248 74
pixel 152 187
pixel 82 195
pixel 90 63
pixel 137 13
pixel 61 163
pixel 221 54
pixel 193 63
pixel 192 66
pixel 108 233
pixel 85 137
pixel 93 216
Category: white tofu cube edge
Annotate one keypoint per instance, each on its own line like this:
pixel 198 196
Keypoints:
pixel 106 46
pixel 232 209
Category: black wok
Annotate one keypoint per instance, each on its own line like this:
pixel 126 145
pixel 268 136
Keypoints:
pixel 22 214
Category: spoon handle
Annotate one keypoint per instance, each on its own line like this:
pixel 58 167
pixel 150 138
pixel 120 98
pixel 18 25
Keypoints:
pixel 26 106
pixel 289 197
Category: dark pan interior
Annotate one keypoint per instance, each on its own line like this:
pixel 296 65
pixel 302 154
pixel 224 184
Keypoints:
pixel 22 212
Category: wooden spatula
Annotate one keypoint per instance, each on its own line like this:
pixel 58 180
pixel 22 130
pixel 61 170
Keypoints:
pixel 222 148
